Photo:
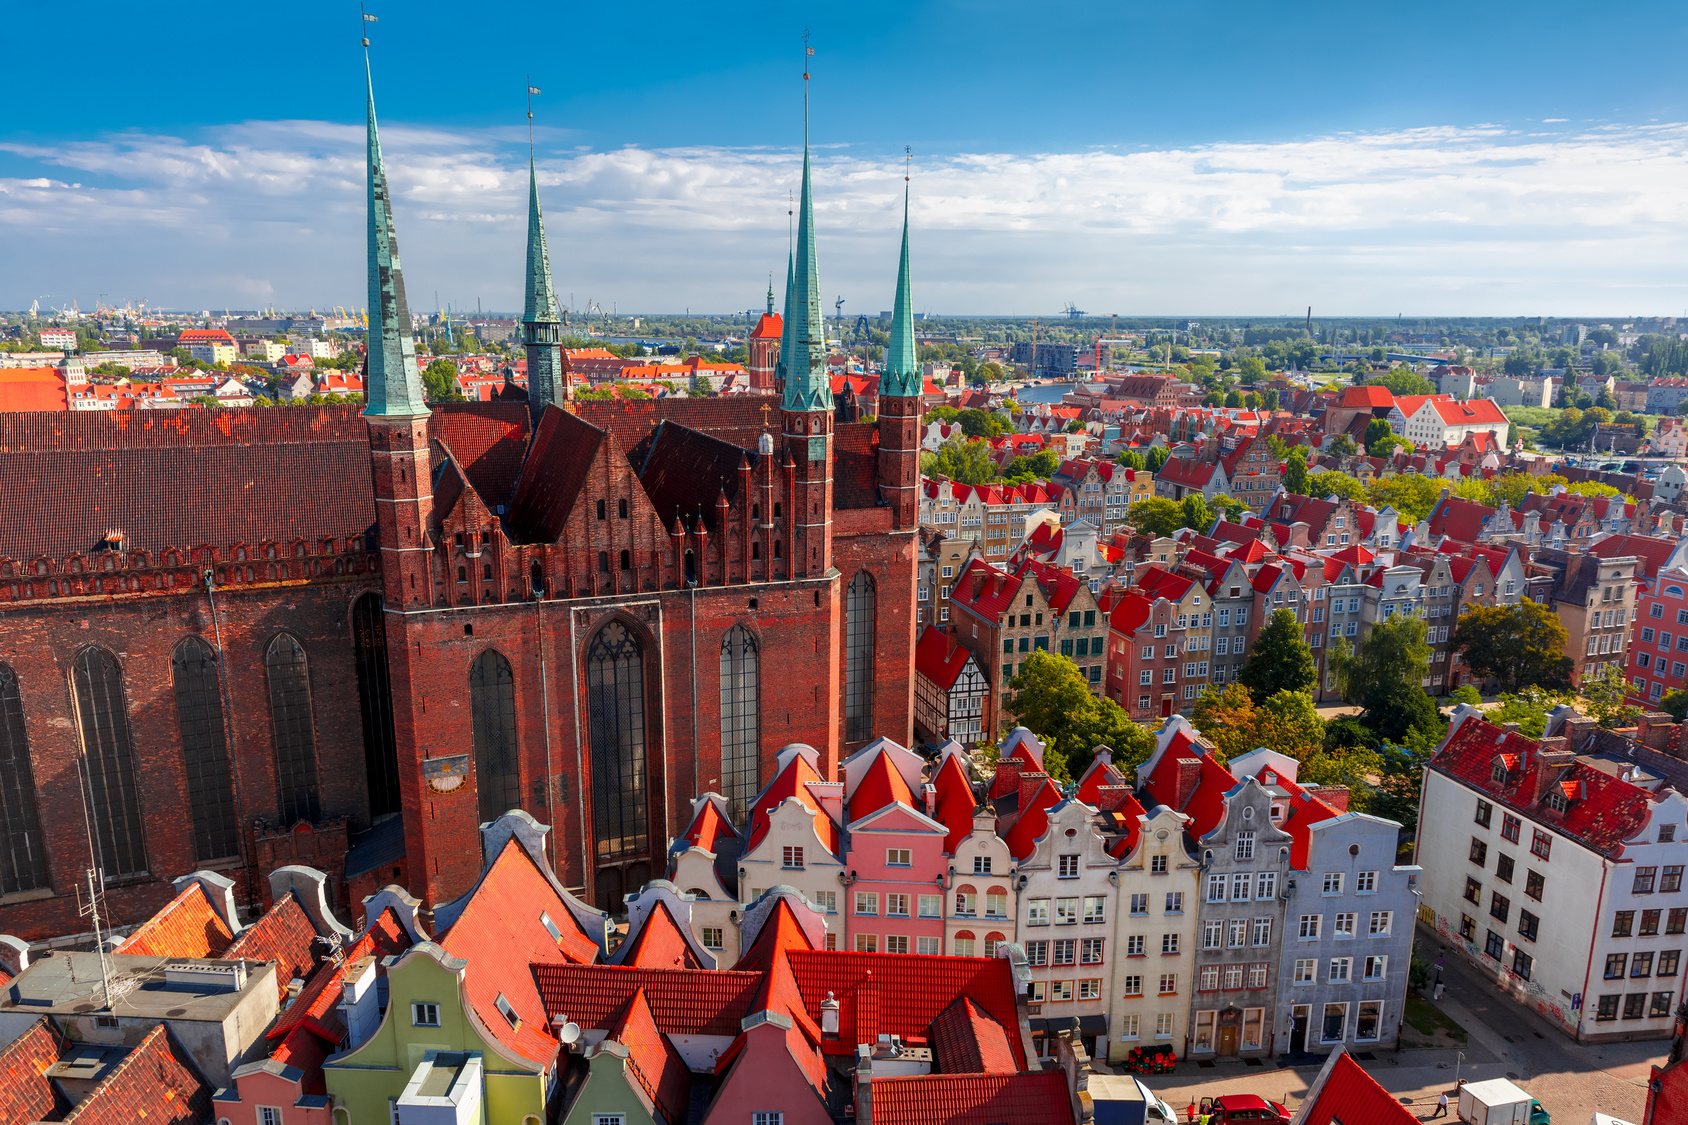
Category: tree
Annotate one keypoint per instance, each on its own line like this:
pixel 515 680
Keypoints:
pixel 1235 510
pixel 1351 766
pixel 1131 459
pixel 1377 431
pixel 1467 694
pixel 439 381
pixel 1675 703
pixel 1156 457
pixel 1405 381
pixel 1051 698
pixel 1041 465
pixel 967 462
pixel 1196 514
pixel 1280 659
pixel 1341 446
pixel 1233 399
pixel 1156 517
pixel 1385 677
pixel 1340 485
pixel 1287 722
pixel 1516 645
pixel 1528 708
pixel 978 424
pixel 1605 692
pixel 1295 472
pixel 1251 370
pixel 1411 495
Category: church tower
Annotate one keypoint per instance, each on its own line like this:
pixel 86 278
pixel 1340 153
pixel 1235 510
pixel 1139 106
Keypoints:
pixel 806 407
pixel 394 408
pixel 900 388
pixel 542 329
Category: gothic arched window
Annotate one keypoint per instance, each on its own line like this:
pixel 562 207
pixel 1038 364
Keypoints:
pixel 205 750
pixel 292 729
pixel 108 762
pixel 615 690
pixel 741 722
pixel 858 658
pixel 492 713
pixel 375 701
pixel 23 857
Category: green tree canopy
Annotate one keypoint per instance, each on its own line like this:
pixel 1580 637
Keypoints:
pixel 1352 766
pixel 968 462
pixel 1605 692
pixel 1196 515
pixel 1528 708
pixel 1377 431
pixel 1131 459
pixel 1516 645
pixel 1405 381
pixel 1385 677
pixel 1051 698
pixel 1279 659
pixel 1156 517
pixel 1341 446
pixel 439 381
pixel 979 424
pixel 1287 722
pixel 1411 495
pixel 1252 369
pixel 1341 485
pixel 1295 471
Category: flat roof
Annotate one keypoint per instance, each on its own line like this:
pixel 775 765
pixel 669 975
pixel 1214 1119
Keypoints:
pixel 69 983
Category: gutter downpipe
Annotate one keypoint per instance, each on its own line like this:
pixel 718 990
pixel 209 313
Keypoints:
pixel 1588 971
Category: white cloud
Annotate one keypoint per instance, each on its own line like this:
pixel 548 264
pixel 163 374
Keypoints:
pixel 1480 219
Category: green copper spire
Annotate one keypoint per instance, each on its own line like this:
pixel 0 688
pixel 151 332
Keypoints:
pixel 808 387
pixel 781 365
pixel 392 385
pixel 902 376
pixel 542 332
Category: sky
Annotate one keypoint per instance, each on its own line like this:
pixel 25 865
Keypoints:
pixel 1201 158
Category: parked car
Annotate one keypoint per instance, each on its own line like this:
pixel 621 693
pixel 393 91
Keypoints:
pixel 1244 1109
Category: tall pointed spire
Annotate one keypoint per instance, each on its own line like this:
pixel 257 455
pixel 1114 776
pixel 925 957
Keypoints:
pixel 902 376
pixel 542 330
pixel 392 384
pixel 782 366
pixel 808 387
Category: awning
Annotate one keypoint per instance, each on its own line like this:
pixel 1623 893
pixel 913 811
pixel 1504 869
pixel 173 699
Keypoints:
pixel 1092 1025
pixel 1059 1024
pixel 1037 1026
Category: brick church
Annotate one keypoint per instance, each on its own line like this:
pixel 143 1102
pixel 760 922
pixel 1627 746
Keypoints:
pixel 241 638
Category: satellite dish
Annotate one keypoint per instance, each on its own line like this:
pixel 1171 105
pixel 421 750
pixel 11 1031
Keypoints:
pixel 570 1034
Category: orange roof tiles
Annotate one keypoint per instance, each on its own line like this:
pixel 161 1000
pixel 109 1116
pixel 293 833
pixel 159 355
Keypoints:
pixel 156 1083
pixel 709 828
pixel 660 944
pixel 187 926
pixel 1037 1098
pixel 883 784
pixel 793 781
pixel 317 1004
pixel 954 801
pixel 283 935
pixel 32 388
pixel 967 1040
pixel 26 1093
pixel 1033 821
pixel 1344 1092
pixel 939 658
pixel 682 1001
pixel 651 1059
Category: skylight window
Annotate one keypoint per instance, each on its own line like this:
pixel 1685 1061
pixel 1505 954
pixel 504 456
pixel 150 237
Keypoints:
pixel 550 926
pixel 508 1011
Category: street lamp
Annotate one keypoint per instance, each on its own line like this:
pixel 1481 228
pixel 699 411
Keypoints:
pixel 1459 1061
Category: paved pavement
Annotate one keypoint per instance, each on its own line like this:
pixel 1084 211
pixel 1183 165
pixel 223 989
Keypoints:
pixel 1506 1040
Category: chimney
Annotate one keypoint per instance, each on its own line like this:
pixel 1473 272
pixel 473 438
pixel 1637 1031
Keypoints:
pixel 864 1084
pixel 1652 730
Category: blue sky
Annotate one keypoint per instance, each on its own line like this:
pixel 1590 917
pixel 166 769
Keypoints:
pixel 1198 157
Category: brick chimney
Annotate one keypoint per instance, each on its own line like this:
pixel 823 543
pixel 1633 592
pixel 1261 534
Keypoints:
pixel 1653 729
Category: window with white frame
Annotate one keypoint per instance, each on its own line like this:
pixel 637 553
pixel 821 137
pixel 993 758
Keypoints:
pixel 1262 932
pixel 926 946
pixel 1266 885
pixel 1163 1025
pixel 1128 1027
pixel 1333 883
pixel 1213 934
pixel 1365 883
pixel 1380 921
pixel 1245 847
pixel 768 1117
pixel 1343 926
pixel 1376 968
pixel 424 1014
pixel 1216 888
pixel 1341 969
pixel 1305 968
pixel 1310 927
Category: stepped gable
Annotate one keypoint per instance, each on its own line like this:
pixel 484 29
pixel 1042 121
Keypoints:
pixel 855 465
pixel 26 1093
pixel 967 1040
pixel 183 478
pixel 189 925
pixel 488 439
pixel 652 1060
pixel 556 469
pixel 1036 1098
pixel 685 471
pixel 682 1001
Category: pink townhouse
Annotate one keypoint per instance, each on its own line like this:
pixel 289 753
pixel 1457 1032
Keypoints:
pixel 895 866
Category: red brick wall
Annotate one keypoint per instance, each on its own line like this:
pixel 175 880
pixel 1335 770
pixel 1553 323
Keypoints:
pixel 41 642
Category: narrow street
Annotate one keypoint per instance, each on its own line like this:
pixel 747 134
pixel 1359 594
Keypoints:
pixel 1505 1040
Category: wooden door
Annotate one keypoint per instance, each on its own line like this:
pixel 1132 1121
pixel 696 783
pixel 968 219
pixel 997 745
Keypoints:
pixel 1227 1040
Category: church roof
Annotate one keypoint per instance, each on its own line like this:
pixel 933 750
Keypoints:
pixel 553 475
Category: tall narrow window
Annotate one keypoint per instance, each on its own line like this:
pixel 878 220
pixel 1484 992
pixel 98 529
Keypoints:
pixel 375 701
pixel 615 686
pixel 108 763
pixel 23 858
pixel 858 659
pixel 492 712
pixel 293 731
pixel 205 750
pixel 740 720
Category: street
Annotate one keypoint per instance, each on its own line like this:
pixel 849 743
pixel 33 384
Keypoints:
pixel 1506 1040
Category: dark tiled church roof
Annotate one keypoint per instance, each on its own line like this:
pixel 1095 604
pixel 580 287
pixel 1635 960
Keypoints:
pixel 488 439
pixel 556 468
pixel 739 420
pixel 685 471
pixel 855 466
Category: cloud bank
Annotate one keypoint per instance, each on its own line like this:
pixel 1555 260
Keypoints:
pixel 1478 219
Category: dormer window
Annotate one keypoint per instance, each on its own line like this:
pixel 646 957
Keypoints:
pixel 1498 773
pixel 1556 801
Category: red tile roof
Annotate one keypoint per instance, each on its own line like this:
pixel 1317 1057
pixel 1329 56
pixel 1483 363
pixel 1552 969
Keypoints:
pixel 489 439
pixel 769 326
pixel 954 801
pixel 1344 1093
pixel 157 1083
pixel 1459 519
pixel 283 935
pixel 884 993
pixel 186 926
pixel 317 1004
pixel 1305 810
pixel 939 658
pixel 1033 820
pixel 32 388
pixel 793 781
pixel 1366 397
pixel 1608 811
pixel 1477 411
pixel 501 936
pixel 881 785
pixel 708 828
pixel 660 944
pixel 682 1001
pixel 26 1093
pixel 1037 1098
pixel 651 1059
pixel 966 1040
pixel 1653 553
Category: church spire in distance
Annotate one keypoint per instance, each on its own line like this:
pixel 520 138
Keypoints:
pixel 902 375
pixel 392 384
pixel 808 386
pixel 541 326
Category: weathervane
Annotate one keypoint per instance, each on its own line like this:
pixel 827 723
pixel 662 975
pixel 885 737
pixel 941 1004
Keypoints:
pixel 531 91
pixel 367 18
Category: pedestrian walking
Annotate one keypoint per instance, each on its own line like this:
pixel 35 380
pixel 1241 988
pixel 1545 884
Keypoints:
pixel 1190 1114
pixel 1441 1105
